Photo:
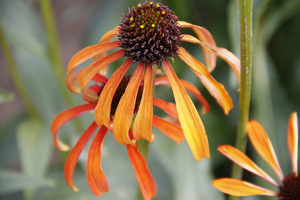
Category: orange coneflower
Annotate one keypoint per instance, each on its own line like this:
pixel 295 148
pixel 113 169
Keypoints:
pixel 289 186
pixel 90 95
pixel 148 35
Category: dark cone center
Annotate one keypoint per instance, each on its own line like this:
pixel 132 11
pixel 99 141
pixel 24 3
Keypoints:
pixel 150 33
pixel 290 189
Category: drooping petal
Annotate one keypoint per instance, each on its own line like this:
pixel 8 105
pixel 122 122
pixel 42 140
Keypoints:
pixel 125 109
pixel 82 56
pixel 75 153
pixel 216 89
pixel 170 130
pixel 102 110
pixel 64 117
pixel 190 121
pixel 88 73
pixel 90 94
pixel 100 78
pixel 293 141
pixel 240 188
pixel 204 36
pixel 245 162
pixel 95 177
pixel 233 62
pixel 142 126
pixel 189 87
pixel 168 107
pixel 263 146
pixel 142 172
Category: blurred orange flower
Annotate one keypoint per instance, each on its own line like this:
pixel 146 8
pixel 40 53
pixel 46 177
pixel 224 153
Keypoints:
pixel 289 188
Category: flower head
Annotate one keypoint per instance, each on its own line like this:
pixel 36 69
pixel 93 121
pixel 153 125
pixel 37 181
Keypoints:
pixel 149 35
pixel 289 186
pixel 95 176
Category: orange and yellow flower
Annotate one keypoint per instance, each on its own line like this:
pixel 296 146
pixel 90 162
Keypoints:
pixel 289 186
pixel 95 176
pixel 149 35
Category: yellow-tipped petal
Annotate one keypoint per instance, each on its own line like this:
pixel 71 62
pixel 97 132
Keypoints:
pixel 293 141
pixel 190 121
pixel 102 110
pixel 233 62
pixel 263 146
pixel 142 126
pixel 215 88
pixel 240 188
pixel 125 109
pixel 245 162
pixel 204 36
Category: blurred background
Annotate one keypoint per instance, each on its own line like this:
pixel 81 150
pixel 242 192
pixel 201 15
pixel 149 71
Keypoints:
pixel 32 94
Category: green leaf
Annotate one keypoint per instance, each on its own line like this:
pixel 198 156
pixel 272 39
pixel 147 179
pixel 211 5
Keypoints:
pixel 6 96
pixel 11 181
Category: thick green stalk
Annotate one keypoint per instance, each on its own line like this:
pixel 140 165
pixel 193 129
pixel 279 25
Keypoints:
pixel 29 105
pixel 54 50
pixel 245 21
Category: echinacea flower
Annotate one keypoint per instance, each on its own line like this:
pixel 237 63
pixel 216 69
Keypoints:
pixel 95 177
pixel 289 186
pixel 149 35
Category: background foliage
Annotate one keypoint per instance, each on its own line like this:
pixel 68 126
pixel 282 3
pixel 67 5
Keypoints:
pixel 30 168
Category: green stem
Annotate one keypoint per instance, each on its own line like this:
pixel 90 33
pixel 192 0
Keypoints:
pixel 16 78
pixel 245 20
pixel 54 50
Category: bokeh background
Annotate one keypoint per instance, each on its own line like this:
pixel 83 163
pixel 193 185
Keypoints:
pixel 30 167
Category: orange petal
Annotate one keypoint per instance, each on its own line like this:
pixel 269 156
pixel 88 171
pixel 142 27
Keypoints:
pixel 100 78
pixel 88 73
pixel 170 130
pixel 245 162
pixel 75 153
pixel 204 36
pixel 190 121
pixel 189 87
pixel 142 126
pixel 168 107
pixel 82 56
pixel 293 141
pixel 64 117
pixel 240 188
pixel 143 175
pixel 263 146
pixel 215 88
pixel 107 37
pixel 102 111
pixel 90 94
pixel 95 177
pixel 233 62
pixel 125 109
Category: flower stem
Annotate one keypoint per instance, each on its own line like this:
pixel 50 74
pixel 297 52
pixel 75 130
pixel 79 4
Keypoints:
pixel 54 50
pixel 245 21
pixel 29 105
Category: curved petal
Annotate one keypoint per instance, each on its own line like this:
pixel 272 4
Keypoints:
pixel 91 93
pixel 88 73
pixel 189 87
pixel 125 109
pixel 190 121
pixel 142 126
pixel 245 162
pixel 100 78
pixel 64 117
pixel 95 177
pixel 170 130
pixel 215 88
pixel 263 146
pixel 75 153
pixel 293 141
pixel 168 107
pixel 240 188
pixel 82 56
pixel 204 36
pixel 143 175
pixel 233 62
pixel 102 110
